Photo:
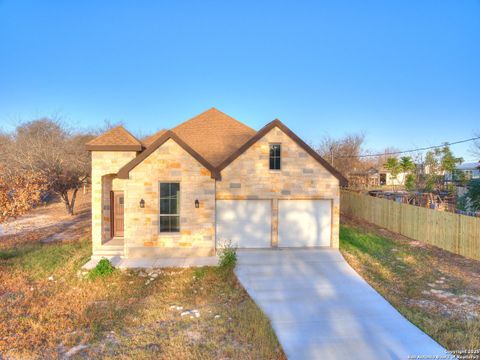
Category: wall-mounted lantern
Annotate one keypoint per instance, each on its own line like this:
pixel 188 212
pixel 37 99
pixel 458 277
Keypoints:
pixel 142 203
pixel 197 204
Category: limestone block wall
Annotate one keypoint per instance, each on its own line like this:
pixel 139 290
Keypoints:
pixel 169 163
pixel 104 164
pixel 300 177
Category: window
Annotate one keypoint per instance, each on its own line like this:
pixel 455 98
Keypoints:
pixel 275 156
pixel 169 207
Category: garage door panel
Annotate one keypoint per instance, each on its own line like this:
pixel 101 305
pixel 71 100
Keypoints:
pixel 246 223
pixel 304 223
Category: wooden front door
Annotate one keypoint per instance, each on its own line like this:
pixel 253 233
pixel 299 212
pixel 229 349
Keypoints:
pixel 117 213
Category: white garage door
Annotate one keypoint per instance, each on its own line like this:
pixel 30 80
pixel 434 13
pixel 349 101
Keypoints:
pixel 304 223
pixel 246 223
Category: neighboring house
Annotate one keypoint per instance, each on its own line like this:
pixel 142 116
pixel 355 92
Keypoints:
pixel 386 178
pixel 364 179
pixel 373 177
pixel 465 171
pixel 212 179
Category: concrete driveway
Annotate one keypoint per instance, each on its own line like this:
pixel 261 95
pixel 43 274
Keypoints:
pixel 320 308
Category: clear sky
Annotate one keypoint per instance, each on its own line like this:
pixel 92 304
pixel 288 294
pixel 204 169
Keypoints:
pixel 407 73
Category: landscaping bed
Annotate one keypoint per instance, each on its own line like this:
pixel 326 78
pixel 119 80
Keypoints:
pixel 437 290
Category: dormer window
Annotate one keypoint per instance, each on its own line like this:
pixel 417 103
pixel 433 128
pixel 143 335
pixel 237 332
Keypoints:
pixel 275 160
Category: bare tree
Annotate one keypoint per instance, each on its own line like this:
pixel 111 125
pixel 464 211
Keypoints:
pixel 5 142
pixel 48 147
pixel 343 153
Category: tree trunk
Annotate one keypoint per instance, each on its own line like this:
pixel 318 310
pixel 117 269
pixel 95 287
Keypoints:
pixel 69 204
pixel 72 202
pixel 64 197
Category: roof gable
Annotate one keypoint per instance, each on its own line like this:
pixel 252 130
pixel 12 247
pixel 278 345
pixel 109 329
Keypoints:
pixel 214 134
pixel 213 138
pixel 116 139
pixel 277 123
pixel 123 173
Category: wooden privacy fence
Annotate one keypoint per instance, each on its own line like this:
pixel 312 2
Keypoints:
pixel 457 233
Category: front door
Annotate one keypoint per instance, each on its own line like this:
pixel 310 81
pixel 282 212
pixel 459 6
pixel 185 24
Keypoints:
pixel 117 213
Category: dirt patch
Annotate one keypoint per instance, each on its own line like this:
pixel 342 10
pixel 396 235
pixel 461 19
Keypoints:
pixel 49 223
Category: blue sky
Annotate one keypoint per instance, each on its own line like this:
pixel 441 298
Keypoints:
pixel 406 73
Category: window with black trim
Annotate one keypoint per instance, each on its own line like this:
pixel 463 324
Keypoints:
pixel 275 160
pixel 169 207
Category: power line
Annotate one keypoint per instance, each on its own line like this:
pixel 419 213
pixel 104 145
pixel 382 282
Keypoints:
pixel 409 151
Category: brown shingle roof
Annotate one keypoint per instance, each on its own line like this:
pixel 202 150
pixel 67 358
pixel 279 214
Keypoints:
pixel 214 135
pixel 117 138
pixel 150 139
pixel 213 138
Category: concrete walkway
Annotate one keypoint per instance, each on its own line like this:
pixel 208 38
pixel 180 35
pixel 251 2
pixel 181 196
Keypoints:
pixel 148 263
pixel 320 308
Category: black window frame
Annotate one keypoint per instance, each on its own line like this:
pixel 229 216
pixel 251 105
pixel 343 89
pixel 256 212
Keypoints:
pixel 172 217
pixel 275 157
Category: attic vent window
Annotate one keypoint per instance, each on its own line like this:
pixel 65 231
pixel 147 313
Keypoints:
pixel 275 159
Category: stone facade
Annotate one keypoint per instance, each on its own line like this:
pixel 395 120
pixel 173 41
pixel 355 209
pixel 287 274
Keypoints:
pixel 300 177
pixel 105 164
pixel 169 163
pixel 247 177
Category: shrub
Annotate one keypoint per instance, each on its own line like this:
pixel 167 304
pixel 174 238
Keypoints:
pixel 227 255
pixel 104 268
pixel 473 194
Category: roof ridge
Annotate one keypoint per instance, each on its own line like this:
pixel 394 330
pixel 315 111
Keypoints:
pixel 129 134
pixel 215 109
pixel 110 140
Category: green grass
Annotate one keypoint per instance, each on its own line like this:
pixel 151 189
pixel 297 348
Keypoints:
pixel 43 260
pixel 405 274
pixel 38 260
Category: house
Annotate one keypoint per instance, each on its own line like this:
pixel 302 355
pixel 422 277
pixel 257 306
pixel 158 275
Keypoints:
pixel 212 179
pixel 374 177
pixel 465 171
pixel 364 179
pixel 386 178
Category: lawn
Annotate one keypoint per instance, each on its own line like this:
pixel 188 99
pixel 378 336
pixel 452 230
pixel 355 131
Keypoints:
pixel 49 307
pixel 436 290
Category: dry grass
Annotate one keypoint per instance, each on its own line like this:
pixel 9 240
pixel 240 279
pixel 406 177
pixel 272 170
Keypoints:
pixel 48 306
pixel 436 290
pixel 49 223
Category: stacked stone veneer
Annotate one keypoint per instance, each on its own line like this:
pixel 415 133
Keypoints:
pixel 170 163
pixel 247 177
pixel 105 165
pixel 300 177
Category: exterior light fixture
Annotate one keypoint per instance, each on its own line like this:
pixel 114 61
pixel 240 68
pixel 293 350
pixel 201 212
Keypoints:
pixel 142 203
pixel 197 204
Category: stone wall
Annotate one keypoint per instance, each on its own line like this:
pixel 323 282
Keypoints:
pixel 104 165
pixel 169 163
pixel 248 177
pixel 300 177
